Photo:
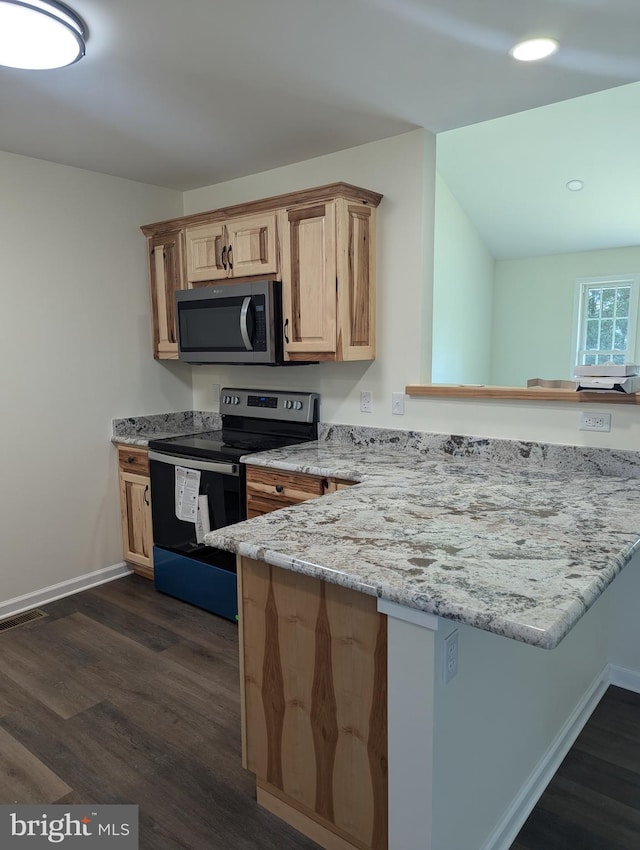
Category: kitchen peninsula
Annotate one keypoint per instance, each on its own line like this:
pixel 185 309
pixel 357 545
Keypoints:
pixel 510 544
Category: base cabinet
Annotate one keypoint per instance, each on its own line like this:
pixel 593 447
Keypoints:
pixel 314 704
pixel 135 509
pixel 271 489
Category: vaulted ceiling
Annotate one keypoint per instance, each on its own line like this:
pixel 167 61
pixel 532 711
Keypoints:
pixel 185 94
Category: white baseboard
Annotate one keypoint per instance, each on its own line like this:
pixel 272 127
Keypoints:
pixel 513 819
pixel 624 678
pixel 64 588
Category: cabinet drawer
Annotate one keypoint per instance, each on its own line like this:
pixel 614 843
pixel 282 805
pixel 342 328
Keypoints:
pixel 282 488
pixel 133 459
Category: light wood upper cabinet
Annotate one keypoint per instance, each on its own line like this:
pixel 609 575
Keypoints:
pixel 319 242
pixel 253 245
pixel 328 281
pixel 309 279
pixel 135 508
pixel 206 252
pixel 241 247
pixel 166 275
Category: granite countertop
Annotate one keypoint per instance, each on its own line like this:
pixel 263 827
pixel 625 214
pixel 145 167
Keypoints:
pixel 518 549
pixel 138 430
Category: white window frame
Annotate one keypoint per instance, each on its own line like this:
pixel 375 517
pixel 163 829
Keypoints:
pixel 582 286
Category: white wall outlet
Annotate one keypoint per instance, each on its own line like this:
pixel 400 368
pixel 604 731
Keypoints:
pixel 366 402
pixel 595 421
pixel 450 667
pixel 397 404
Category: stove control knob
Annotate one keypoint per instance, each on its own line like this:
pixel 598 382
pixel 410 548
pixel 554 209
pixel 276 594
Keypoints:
pixel 297 405
pixel 235 399
pixel 227 399
pixel 288 404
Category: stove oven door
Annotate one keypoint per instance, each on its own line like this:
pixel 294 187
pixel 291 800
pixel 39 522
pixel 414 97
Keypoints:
pixel 184 567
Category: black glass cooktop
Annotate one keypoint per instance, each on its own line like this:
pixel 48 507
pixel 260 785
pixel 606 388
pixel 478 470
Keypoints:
pixel 216 444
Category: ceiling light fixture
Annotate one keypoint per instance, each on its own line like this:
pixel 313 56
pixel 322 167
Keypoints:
pixel 40 34
pixel 533 49
pixel 575 185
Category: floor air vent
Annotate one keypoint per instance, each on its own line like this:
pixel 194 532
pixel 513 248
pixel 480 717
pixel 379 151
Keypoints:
pixel 21 619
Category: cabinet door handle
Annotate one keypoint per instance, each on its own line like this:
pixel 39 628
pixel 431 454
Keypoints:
pixel 284 330
pixel 146 493
pixel 279 488
pixel 230 255
pixel 224 257
pixel 131 459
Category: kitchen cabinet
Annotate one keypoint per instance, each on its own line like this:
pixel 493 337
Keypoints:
pixel 319 242
pixel 328 281
pixel 270 489
pixel 241 247
pixel 313 658
pixel 166 276
pixel 135 508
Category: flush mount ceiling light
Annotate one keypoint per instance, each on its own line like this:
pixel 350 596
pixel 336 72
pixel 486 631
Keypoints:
pixel 39 34
pixel 575 185
pixel 533 49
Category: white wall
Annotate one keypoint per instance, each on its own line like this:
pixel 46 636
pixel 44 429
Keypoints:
pixel 533 311
pixel 497 719
pixel 624 645
pixel 395 167
pixel 76 352
pixel 403 169
pixel 462 296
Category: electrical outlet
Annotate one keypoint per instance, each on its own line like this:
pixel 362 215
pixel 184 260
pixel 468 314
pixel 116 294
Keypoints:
pixel 366 402
pixel 450 656
pixel 397 404
pixel 595 421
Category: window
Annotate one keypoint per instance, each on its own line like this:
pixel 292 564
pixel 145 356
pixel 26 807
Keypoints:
pixel 606 318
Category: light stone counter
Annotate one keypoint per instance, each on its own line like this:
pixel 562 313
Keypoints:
pixel 518 539
pixel 138 430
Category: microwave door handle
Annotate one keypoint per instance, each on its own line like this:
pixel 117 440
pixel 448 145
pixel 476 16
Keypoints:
pixel 244 329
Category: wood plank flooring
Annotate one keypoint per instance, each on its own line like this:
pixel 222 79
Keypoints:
pixel 593 801
pixel 123 695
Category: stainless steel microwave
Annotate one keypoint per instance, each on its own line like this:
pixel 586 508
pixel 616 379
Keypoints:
pixel 230 323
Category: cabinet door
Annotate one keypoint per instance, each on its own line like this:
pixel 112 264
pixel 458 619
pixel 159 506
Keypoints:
pixel 166 276
pixel 313 659
pixel 135 508
pixel 207 252
pixel 309 279
pixel 357 281
pixel 252 245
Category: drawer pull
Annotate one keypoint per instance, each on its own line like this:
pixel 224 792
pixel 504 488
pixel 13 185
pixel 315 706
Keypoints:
pixel 131 459
pixel 279 488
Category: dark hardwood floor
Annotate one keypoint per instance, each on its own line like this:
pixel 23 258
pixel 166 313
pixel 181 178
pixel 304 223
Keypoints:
pixel 123 695
pixel 593 801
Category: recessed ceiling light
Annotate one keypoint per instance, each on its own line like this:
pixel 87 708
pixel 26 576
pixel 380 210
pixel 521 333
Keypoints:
pixel 575 185
pixel 39 34
pixel 534 48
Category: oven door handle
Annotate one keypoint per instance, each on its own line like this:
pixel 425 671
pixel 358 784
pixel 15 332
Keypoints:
pixel 244 329
pixel 194 463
